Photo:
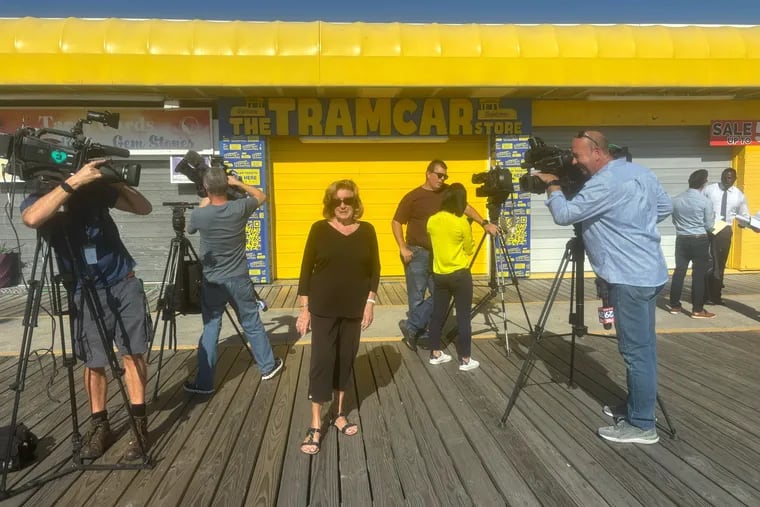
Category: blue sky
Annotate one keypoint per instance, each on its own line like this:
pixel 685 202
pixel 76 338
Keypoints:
pixel 426 11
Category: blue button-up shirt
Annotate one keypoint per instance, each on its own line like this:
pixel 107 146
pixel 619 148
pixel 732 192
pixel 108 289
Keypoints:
pixel 692 213
pixel 618 209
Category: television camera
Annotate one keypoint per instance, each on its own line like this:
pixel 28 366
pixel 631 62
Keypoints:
pixel 559 162
pixel 194 166
pixel 49 156
pixel 496 184
pixel 552 160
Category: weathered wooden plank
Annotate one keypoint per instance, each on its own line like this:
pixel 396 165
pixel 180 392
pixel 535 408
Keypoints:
pixel 656 464
pixel 90 483
pixel 294 485
pixel 386 488
pixel 353 474
pixel 266 476
pixel 417 486
pixel 474 478
pixel 233 484
pixel 479 396
pixel 188 414
pixel 49 493
pixel 236 425
pixel 163 415
pixel 440 468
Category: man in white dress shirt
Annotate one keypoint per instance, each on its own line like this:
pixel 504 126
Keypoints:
pixel 728 201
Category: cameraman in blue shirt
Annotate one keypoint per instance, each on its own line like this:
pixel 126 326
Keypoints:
pixel 618 209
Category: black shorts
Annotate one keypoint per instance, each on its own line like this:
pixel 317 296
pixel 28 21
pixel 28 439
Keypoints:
pixel 126 319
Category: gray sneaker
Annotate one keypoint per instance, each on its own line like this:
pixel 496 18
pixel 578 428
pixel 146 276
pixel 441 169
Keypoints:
pixel 626 433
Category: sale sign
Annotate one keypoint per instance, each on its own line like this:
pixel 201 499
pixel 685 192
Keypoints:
pixel 734 132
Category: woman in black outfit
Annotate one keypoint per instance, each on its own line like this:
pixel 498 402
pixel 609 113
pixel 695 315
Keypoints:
pixel 340 273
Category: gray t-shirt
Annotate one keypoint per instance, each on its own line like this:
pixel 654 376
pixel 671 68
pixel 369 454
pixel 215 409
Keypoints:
pixel 222 229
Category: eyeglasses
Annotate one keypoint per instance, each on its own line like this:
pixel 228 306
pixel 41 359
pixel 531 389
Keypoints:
pixel 348 201
pixel 441 176
pixel 583 135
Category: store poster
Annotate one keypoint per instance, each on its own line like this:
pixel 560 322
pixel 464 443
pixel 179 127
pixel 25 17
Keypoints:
pixel 248 159
pixel 509 152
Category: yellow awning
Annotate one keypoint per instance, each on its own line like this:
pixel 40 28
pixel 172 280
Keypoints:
pixel 162 53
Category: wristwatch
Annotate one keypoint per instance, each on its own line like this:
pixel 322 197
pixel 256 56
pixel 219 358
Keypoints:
pixel 67 188
pixel 484 223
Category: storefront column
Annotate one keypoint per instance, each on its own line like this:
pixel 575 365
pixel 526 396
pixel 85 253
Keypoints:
pixel 744 252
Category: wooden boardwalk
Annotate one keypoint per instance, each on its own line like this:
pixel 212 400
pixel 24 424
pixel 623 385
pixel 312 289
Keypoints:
pixel 429 434
pixel 392 292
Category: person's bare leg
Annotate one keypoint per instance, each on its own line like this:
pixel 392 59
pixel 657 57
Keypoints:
pixel 342 421
pixel 316 422
pixel 135 378
pixel 96 385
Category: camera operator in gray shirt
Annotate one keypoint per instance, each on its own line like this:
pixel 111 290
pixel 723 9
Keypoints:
pixel 222 223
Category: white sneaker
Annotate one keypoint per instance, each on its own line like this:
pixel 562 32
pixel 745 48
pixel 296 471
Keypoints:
pixel 469 365
pixel 443 358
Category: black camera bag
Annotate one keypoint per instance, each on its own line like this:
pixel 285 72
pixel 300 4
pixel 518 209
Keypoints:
pixel 23 445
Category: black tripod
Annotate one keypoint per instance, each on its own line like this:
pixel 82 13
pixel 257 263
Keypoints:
pixel 88 296
pixel 497 280
pixel 575 253
pixel 180 287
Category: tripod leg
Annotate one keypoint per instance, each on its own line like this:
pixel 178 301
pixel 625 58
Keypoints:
pixel 522 378
pixel 671 428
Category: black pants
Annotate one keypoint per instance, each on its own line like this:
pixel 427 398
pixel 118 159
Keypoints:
pixel 459 285
pixel 720 245
pixel 694 249
pixel 334 344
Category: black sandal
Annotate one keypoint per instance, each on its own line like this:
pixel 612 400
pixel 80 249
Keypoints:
pixel 345 426
pixel 311 441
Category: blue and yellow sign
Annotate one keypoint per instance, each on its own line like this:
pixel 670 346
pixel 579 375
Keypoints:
pixel 509 152
pixel 246 157
pixel 358 117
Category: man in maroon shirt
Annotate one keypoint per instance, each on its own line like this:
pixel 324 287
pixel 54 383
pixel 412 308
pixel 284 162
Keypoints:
pixel 415 249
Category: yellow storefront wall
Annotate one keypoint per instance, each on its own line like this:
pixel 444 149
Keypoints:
pixel 384 172
pixel 746 244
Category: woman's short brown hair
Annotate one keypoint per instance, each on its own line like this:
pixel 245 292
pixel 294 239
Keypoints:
pixel 328 210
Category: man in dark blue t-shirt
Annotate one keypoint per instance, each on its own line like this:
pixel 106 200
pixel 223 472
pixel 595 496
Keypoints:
pixel 221 224
pixel 86 242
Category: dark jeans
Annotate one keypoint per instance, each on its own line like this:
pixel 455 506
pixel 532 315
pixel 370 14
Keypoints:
pixel 419 280
pixel 720 245
pixel 694 249
pixel 459 285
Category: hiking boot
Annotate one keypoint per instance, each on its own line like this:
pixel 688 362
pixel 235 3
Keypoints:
pixel 97 440
pixel 702 315
pixel 626 433
pixel 133 451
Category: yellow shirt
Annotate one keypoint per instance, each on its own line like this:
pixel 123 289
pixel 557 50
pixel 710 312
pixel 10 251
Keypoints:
pixel 451 237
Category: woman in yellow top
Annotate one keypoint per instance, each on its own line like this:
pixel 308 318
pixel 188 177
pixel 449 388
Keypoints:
pixel 451 237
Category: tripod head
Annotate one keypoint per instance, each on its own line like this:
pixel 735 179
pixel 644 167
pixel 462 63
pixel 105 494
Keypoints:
pixel 178 215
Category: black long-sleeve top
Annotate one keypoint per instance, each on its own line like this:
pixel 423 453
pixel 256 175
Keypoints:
pixel 338 271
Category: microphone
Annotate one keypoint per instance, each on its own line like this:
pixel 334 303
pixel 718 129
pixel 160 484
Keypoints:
pixel 606 311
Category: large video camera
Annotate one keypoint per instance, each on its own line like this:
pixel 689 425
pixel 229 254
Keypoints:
pixel 495 184
pixel 49 156
pixel 552 160
pixel 194 166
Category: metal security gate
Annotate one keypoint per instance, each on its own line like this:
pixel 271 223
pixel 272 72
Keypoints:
pixel 671 152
